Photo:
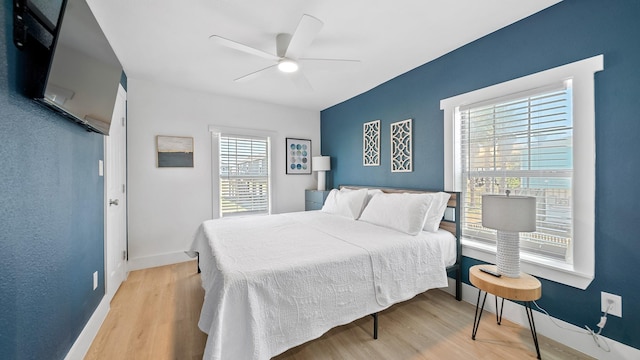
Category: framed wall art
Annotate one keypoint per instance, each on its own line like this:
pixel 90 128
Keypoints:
pixel 401 145
pixel 371 143
pixel 174 151
pixel 298 152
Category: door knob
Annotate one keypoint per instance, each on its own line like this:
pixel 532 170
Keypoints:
pixel 113 202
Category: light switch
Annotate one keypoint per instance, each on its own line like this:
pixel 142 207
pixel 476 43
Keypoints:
pixel 100 168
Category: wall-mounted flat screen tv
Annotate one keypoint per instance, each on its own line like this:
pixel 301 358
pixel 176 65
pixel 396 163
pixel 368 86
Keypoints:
pixel 82 74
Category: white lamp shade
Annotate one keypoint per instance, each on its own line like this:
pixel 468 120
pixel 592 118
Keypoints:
pixel 509 213
pixel 321 163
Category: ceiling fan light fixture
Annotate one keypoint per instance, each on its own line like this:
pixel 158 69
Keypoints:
pixel 287 65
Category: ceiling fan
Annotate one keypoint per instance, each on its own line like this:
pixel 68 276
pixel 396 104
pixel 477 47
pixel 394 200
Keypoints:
pixel 289 49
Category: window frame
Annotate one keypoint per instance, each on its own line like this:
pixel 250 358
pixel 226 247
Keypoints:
pixel 537 126
pixel 216 131
pixel 582 272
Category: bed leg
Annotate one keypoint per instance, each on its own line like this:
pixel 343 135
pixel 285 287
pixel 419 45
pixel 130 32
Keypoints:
pixel 375 326
pixel 199 271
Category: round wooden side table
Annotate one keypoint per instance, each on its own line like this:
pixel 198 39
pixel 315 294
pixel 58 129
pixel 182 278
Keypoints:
pixel 524 289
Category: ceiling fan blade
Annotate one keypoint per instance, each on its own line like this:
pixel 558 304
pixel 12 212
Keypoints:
pixel 282 43
pixel 307 30
pixel 241 47
pixel 254 74
pixel 300 80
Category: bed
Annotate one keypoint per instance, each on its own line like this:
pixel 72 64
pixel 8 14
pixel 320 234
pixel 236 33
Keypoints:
pixel 274 282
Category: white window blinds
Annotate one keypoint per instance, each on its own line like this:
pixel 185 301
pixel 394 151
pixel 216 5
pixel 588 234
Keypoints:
pixel 244 175
pixel 523 143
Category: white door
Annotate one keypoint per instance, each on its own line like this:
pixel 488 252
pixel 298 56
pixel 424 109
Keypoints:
pixel 115 202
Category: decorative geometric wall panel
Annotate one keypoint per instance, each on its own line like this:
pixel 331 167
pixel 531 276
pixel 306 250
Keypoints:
pixel 371 143
pixel 401 144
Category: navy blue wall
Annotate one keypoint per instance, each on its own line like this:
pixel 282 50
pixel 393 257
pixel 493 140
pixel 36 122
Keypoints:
pixel 51 220
pixel 569 31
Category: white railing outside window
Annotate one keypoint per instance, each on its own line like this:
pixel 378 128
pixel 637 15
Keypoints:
pixel 244 175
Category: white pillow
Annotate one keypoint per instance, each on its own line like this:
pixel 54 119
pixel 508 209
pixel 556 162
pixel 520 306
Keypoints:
pixel 345 203
pixel 370 193
pixel 436 212
pixel 403 212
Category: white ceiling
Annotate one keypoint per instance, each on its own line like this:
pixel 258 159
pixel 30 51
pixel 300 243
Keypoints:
pixel 168 41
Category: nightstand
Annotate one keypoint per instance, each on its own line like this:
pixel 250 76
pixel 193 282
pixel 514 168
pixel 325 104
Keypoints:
pixel 314 199
pixel 524 289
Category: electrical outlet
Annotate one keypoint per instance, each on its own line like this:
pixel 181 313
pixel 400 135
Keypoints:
pixel 95 280
pixel 615 301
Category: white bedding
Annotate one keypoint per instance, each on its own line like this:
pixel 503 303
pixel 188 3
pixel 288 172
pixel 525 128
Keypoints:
pixel 274 282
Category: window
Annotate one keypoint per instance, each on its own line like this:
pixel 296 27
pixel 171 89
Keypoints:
pixel 534 136
pixel 522 144
pixel 244 175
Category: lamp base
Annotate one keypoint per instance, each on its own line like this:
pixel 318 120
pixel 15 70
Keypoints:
pixel 322 178
pixel 508 253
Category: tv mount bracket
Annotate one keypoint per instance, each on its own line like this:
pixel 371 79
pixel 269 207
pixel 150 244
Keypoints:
pixel 22 11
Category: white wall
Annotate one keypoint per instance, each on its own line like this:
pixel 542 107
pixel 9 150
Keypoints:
pixel 166 205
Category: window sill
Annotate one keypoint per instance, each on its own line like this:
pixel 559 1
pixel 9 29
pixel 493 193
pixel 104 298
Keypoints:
pixel 541 267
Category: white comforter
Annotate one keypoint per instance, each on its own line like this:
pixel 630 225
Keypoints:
pixel 274 282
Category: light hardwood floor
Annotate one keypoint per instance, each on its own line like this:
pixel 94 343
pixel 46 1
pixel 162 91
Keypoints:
pixel 155 313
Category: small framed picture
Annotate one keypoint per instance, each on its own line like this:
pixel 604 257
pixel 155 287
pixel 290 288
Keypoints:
pixel 298 153
pixel 174 151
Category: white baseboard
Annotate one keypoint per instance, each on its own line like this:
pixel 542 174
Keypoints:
pixel 83 342
pixel 569 335
pixel 157 260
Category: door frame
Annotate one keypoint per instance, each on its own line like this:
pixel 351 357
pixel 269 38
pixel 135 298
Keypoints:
pixel 109 296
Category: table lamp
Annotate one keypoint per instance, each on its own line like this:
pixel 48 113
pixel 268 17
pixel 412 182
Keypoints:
pixel 509 215
pixel 321 164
